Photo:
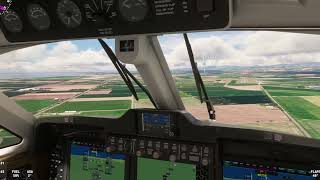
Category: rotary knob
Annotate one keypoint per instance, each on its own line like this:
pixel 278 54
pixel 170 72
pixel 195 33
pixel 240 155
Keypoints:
pixel 138 153
pixel 110 149
pixel 156 155
pixel 205 162
pixel 172 158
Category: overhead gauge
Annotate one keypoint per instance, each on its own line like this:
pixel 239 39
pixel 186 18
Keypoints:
pixel 12 21
pixel 4 6
pixel 69 13
pixel 38 17
pixel 133 10
pixel 98 11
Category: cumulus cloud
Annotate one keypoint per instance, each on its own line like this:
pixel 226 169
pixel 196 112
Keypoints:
pixel 210 49
pixel 248 49
pixel 62 57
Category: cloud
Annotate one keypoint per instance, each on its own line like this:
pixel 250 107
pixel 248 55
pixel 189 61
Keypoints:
pixel 247 49
pixel 281 43
pixel 62 57
pixel 210 49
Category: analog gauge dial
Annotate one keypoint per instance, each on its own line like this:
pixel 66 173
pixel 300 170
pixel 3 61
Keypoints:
pixel 12 21
pixel 98 11
pixel 4 6
pixel 38 17
pixel 69 13
pixel 133 10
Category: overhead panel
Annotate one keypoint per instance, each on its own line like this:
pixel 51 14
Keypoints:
pixel 73 19
pixel 276 14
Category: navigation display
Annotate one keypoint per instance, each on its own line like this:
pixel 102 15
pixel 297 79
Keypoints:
pixel 157 124
pixel 87 163
pixel 248 171
pixel 165 170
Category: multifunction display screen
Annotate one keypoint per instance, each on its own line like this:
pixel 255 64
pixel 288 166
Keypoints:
pixel 156 123
pixel 233 170
pixel 165 170
pixel 87 163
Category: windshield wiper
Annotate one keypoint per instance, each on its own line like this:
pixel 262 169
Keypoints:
pixel 126 74
pixel 199 82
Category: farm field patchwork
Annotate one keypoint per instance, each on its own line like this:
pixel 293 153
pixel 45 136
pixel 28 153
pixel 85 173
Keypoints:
pixel 34 106
pixel 299 108
pixel 301 104
pixel 287 91
pixel 92 106
pixel 238 99
pixel 220 93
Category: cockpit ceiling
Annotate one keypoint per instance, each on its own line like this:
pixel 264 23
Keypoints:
pixel 276 14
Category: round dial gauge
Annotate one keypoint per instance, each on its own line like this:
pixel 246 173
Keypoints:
pixel 98 11
pixel 69 13
pixel 4 6
pixel 12 21
pixel 133 10
pixel 38 17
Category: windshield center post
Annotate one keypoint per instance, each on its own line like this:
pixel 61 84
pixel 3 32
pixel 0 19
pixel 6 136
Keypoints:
pixel 145 53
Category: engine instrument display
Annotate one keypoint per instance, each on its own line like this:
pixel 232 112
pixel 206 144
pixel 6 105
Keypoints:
pixel 239 170
pixel 12 21
pixel 158 169
pixel 154 123
pixel 78 19
pixel 89 162
pixel 69 13
pixel 38 17
pixel 99 11
pixel 133 10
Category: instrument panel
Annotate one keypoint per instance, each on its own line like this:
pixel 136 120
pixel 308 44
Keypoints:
pixel 39 20
pixel 148 144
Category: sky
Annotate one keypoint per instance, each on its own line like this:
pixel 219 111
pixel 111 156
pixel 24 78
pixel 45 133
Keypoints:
pixel 211 49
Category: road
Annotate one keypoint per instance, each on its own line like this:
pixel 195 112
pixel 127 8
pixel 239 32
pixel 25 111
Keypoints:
pixel 302 130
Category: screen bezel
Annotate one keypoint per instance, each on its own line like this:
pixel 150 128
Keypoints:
pixel 68 154
pixel 265 162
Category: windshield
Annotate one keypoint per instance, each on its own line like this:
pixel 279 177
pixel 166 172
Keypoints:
pixel 264 80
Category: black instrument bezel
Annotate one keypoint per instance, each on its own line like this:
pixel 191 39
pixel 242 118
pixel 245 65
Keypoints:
pixel 152 24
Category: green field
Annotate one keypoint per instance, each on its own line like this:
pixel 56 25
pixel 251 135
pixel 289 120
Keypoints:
pixel 304 112
pixel 92 106
pixel 219 94
pixel 220 91
pixel 35 105
pixel 225 100
pixel 299 108
pixel 287 91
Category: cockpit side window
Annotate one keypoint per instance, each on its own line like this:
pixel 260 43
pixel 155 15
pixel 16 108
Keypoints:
pixel 8 138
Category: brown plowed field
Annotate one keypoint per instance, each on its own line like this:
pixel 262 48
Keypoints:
pixel 251 115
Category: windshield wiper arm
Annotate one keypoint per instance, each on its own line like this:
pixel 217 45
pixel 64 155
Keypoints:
pixel 199 82
pixel 126 74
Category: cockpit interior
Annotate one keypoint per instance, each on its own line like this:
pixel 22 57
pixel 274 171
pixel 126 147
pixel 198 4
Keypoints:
pixel 165 142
